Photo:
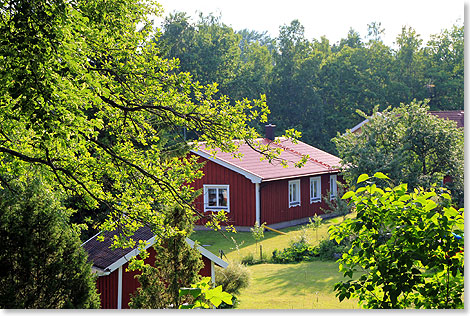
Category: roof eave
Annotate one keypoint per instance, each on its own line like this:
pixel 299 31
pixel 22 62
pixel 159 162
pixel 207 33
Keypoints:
pixel 302 175
pixel 254 178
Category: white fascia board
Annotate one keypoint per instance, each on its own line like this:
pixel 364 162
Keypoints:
pixel 359 125
pixel 209 255
pixel 150 242
pixel 128 256
pixel 333 171
pixel 251 176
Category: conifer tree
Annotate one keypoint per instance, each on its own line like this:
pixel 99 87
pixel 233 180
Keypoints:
pixel 42 262
pixel 176 266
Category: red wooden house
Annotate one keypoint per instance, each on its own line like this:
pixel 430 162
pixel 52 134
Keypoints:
pixel 250 189
pixel 114 284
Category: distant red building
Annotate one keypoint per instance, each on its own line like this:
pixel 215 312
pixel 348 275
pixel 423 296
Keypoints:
pixel 114 284
pixel 250 189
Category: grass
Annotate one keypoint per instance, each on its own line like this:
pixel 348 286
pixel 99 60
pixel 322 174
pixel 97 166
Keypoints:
pixel 305 285
pixel 215 241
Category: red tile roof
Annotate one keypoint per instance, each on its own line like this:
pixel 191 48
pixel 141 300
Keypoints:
pixel 455 115
pixel 318 163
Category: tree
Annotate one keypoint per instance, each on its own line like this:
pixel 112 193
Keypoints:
pixel 409 145
pixel 86 100
pixel 408 76
pixel 43 264
pixel 177 265
pixel 406 247
pixel 208 49
pixel 444 60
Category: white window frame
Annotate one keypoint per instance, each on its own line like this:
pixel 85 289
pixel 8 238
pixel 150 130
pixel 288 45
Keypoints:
pixel 294 200
pixel 315 197
pixel 208 208
pixel 333 186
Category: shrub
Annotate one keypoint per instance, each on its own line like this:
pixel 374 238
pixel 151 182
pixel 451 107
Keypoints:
pixel 327 249
pixel 233 278
pixel 299 250
pixel 249 260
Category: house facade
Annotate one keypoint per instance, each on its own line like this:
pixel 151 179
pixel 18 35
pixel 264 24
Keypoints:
pixel 250 189
pixel 114 284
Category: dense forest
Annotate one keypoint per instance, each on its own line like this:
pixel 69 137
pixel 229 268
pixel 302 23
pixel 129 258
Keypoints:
pixel 313 85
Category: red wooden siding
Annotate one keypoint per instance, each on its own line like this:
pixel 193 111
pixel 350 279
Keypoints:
pixel 108 289
pixel 206 270
pixel 275 200
pixel 108 285
pixel 242 197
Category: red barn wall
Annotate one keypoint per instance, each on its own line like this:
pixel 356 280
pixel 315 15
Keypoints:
pixel 108 285
pixel 206 270
pixel 275 200
pixel 241 193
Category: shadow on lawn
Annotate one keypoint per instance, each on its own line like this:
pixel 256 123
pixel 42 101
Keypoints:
pixel 316 276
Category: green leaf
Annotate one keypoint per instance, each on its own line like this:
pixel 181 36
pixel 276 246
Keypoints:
pixel 450 212
pixel 347 195
pixel 446 196
pixel 430 205
pixel 380 175
pixel 363 177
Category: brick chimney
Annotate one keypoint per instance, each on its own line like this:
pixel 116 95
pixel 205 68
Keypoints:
pixel 269 131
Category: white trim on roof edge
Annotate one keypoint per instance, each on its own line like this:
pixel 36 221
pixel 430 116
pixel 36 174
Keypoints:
pixel 128 256
pixel 209 255
pixel 251 176
pixel 121 261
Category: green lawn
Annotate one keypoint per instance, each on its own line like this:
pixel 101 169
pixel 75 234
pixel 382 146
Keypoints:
pixel 305 285
pixel 215 241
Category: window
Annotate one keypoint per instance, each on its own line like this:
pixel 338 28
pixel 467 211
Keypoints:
pixel 216 198
pixel 315 189
pixel 294 193
pixel 333 186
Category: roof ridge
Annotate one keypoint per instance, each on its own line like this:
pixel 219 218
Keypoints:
pixel 301 155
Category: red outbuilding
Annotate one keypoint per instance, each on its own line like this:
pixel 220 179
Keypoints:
pixel 250 189
pixel 114 284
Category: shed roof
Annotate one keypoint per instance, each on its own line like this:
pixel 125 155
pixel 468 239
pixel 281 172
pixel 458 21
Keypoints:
pixel 454 115
pixel 262 170
pixel 106 259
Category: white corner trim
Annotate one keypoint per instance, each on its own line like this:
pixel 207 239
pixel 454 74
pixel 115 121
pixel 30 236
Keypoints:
pixel 258 204
pixel 249 175
pixel 213 273
pixel 119 293
pixel 209 255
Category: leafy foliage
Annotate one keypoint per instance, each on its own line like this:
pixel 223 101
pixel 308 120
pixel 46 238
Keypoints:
pixel 88 103
pixel 176 265
pixel 299 251
pixel 315 78
pixel 407 144
pixel 43 264
pixel 406 247
pixel 204 295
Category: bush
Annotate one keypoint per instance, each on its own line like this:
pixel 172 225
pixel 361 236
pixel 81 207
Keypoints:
pixel 249 260
pixel 298 251
pixel 233 278
pixel 327 249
